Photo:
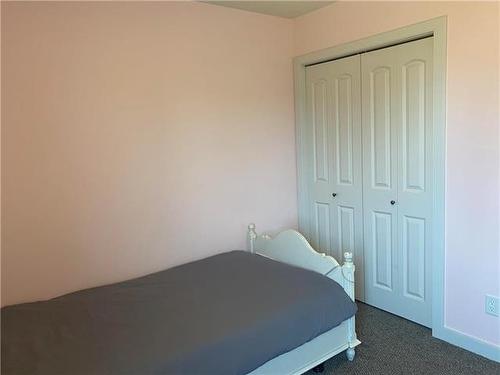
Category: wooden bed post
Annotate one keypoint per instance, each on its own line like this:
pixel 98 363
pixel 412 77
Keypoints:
pixel 348 276
pixel 251 236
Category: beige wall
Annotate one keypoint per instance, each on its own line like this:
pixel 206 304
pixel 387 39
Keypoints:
pixel 472 165
pixel 138 136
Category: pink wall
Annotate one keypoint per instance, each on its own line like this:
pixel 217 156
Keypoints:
pixel 137 136
pixel 472 165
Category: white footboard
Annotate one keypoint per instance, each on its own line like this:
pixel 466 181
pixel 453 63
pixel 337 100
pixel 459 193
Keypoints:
pixel 292 248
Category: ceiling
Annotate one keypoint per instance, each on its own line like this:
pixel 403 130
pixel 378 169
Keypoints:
pixel 286 9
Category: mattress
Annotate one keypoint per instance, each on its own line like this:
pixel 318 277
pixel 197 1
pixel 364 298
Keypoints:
pixel 226 314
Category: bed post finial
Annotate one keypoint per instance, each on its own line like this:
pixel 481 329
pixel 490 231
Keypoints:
pixel 252 235
pixel 348 258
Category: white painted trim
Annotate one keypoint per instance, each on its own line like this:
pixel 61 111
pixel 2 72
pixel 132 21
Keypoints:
pixel 467 342
pixel 437 28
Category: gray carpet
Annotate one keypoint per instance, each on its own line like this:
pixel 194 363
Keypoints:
pixel 393 345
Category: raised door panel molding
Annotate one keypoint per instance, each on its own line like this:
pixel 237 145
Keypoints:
pixel 413 125
pixel 414 257
pixel 346 229
pixel 320 131
pixel 322 227
pixel 382 249
pixel 344 128
pixel 380 127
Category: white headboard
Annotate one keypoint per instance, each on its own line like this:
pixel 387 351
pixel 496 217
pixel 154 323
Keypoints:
pixel 292 248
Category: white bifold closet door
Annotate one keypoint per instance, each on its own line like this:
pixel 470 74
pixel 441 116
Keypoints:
pixel 368 160
pixel 333 159
pixel 397 178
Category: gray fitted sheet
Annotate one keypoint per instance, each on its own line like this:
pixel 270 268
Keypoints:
pixel 226 314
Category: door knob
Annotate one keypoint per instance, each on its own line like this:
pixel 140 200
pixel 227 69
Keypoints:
pixel 393 202
pixel 334 195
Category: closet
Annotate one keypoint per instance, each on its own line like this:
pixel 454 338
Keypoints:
pixel 368 166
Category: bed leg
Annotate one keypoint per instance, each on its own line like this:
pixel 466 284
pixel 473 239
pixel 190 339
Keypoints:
pixel 350 353
pixel 319 368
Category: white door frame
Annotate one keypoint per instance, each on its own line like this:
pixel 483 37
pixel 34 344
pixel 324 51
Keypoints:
pixel 437 28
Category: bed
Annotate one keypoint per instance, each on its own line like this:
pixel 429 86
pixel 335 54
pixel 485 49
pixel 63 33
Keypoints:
pixel 268 310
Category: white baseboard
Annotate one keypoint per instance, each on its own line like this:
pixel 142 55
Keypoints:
pixel 470 343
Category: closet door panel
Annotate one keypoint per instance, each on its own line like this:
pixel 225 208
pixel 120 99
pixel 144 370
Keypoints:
pixel 347 171
pixel 334 112
pixel 379 100
pixel 415 179
pixel 397 125
pixel 319 160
